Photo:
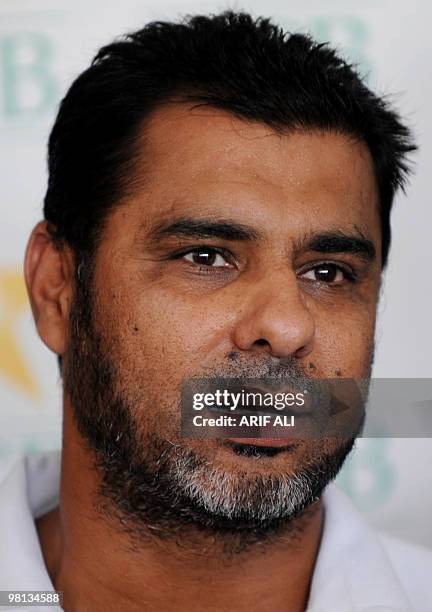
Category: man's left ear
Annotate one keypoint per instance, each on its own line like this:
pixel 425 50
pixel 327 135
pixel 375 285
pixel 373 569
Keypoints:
pixel 49 277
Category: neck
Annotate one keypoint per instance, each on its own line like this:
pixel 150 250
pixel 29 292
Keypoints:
pixel 99 567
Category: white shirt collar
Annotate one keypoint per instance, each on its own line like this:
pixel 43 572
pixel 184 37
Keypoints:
pixel 352 571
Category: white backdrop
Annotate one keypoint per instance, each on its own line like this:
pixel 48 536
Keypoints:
pixel 44 44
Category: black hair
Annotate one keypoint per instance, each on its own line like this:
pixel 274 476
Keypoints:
pixel 248 67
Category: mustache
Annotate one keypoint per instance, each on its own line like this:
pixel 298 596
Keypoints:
pixel 274 369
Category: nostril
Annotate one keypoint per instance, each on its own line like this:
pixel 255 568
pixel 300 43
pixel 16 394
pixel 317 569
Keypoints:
pixel 261 342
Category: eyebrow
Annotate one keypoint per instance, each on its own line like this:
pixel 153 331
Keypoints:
pixel 334 241
pixel 340 242
pixel 205 228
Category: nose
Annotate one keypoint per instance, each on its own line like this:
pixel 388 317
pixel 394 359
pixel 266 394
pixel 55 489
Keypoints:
pixel 275 318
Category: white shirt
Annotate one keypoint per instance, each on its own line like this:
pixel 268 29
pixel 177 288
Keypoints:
pixel 357 569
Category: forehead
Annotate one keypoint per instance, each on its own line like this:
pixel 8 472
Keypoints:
pixel 207 159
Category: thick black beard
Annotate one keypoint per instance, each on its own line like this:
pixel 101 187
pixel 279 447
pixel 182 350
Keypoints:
pixel 140 493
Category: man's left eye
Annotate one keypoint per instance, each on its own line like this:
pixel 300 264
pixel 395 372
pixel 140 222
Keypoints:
pixel 329 273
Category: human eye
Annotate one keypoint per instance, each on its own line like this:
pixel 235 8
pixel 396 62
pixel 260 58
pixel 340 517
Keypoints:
pixel 329 273
pixel 207 257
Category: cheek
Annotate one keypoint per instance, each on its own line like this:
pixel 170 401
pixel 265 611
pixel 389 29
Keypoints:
pixel 161 335
pixel 344 344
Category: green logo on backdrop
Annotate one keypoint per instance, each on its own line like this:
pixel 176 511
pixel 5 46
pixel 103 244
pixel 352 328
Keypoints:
pixel 29 84
pixel 347 32
pixel 369 475
pixel 350 35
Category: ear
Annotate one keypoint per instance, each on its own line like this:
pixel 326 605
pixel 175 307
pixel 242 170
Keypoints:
pixel 49 277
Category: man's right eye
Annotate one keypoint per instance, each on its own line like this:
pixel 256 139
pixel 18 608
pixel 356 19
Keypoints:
pixel 207 257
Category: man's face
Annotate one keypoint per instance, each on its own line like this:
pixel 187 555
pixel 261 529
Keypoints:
pixel 242 252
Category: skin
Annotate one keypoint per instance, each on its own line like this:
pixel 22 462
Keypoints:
pixel 264 301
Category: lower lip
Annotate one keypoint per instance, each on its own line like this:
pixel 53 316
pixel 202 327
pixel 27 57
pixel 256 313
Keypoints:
pixel 274 442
